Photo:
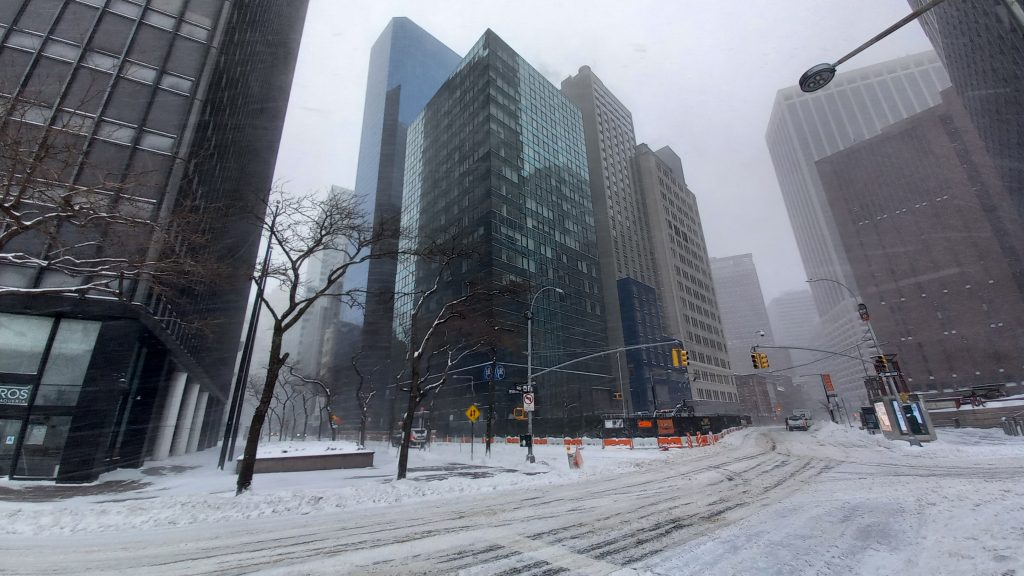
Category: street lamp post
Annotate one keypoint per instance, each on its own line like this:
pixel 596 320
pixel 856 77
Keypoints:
pixel 818 76
pixel 871 331
pixel 529 367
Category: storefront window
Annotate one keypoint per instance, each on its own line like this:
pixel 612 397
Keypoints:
pixel 23 340
pixel 67 363
pixel 43 446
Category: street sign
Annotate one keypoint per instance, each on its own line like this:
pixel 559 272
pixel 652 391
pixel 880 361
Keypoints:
pixel 528 401
pixel 499 372
pixel 472 413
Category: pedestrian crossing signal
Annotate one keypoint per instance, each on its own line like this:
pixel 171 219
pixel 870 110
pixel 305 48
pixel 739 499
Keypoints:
pixel 680 357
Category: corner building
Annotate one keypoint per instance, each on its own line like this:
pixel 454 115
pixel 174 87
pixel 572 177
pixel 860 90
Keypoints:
pixel 192 94
pixel 936 248
pixel 498 155
pixel 804 128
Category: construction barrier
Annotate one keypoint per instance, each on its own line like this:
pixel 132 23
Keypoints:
pixel 617 442
pixel 573 441
pixel 670 442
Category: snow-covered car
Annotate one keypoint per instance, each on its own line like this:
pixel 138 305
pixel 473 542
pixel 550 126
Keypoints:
pixel 798 422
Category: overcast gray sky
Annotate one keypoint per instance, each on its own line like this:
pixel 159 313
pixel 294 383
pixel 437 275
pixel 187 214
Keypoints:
pixel 698 75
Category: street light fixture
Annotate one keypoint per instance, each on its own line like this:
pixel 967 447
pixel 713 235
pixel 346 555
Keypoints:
pixel 817 77
pixel 862 314
pixel 529 367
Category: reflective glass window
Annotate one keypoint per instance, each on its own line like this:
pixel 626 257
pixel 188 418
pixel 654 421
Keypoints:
pixel 23 340
pixel 75 22
pixel 67 363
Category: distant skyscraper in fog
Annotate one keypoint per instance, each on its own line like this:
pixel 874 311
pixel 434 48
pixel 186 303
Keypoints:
pixel 744 315
pixel 795 323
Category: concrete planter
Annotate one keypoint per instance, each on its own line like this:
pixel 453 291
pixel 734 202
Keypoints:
pixel 313 462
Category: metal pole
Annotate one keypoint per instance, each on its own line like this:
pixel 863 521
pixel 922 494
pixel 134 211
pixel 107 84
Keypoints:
pixel 901 23
pixel 529 368
pixel 529 378
pixel 227 448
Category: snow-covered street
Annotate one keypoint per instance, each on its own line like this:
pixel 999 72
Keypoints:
pixel 762 501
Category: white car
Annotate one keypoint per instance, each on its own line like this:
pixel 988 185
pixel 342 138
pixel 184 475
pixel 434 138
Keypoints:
pixel 798 422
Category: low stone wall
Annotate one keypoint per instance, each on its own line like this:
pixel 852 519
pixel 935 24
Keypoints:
pixel 313 462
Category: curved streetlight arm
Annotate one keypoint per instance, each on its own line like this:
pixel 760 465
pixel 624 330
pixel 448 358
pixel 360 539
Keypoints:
pixel 818 76
pixel 813 280
pixel 901 23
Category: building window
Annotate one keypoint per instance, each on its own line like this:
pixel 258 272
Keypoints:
pixel 23 340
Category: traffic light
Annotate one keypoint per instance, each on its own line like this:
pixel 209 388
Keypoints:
pixel 759 360
pixel 680 357
pixel 881 364
pixel 764 359
pixel 862 311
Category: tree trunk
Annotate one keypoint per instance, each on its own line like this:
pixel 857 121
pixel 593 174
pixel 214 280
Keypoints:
pixel 363 421
pixel 410 414
pixel 259 416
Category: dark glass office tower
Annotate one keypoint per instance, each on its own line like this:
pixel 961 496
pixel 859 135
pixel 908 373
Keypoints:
pixel 181 102
pixel 981 43
pixel 407 65
pixel 498 155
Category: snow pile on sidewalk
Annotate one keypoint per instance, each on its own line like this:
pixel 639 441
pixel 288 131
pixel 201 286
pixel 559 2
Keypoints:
pixel 205 494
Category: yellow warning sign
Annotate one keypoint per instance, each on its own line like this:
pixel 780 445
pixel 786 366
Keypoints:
pixel 472 413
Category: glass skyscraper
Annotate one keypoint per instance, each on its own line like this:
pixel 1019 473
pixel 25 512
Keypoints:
pixel 497 158
pixel 407 65
pixel 180 103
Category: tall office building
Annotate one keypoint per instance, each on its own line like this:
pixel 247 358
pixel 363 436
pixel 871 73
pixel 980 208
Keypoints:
pixel 981 43
pixel 691 309
pixel 744 315
pixel 181 104
pixel 407 66
pixel 807 127
pixel 795 322
pixel 652 250
pixel 498 156
pixel 318 325
pixel 633 312
pixel 935 246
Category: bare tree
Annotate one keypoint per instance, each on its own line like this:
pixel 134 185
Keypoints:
pixel 363 398
pixel 299 228
pixel 430 341
pixel 321 387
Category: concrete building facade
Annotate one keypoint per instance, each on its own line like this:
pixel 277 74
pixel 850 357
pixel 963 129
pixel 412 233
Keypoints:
pixel 690 307
pixel 804 128
pixel 935 247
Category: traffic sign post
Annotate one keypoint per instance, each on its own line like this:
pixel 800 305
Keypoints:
pixel 472 413
pixel 528 401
